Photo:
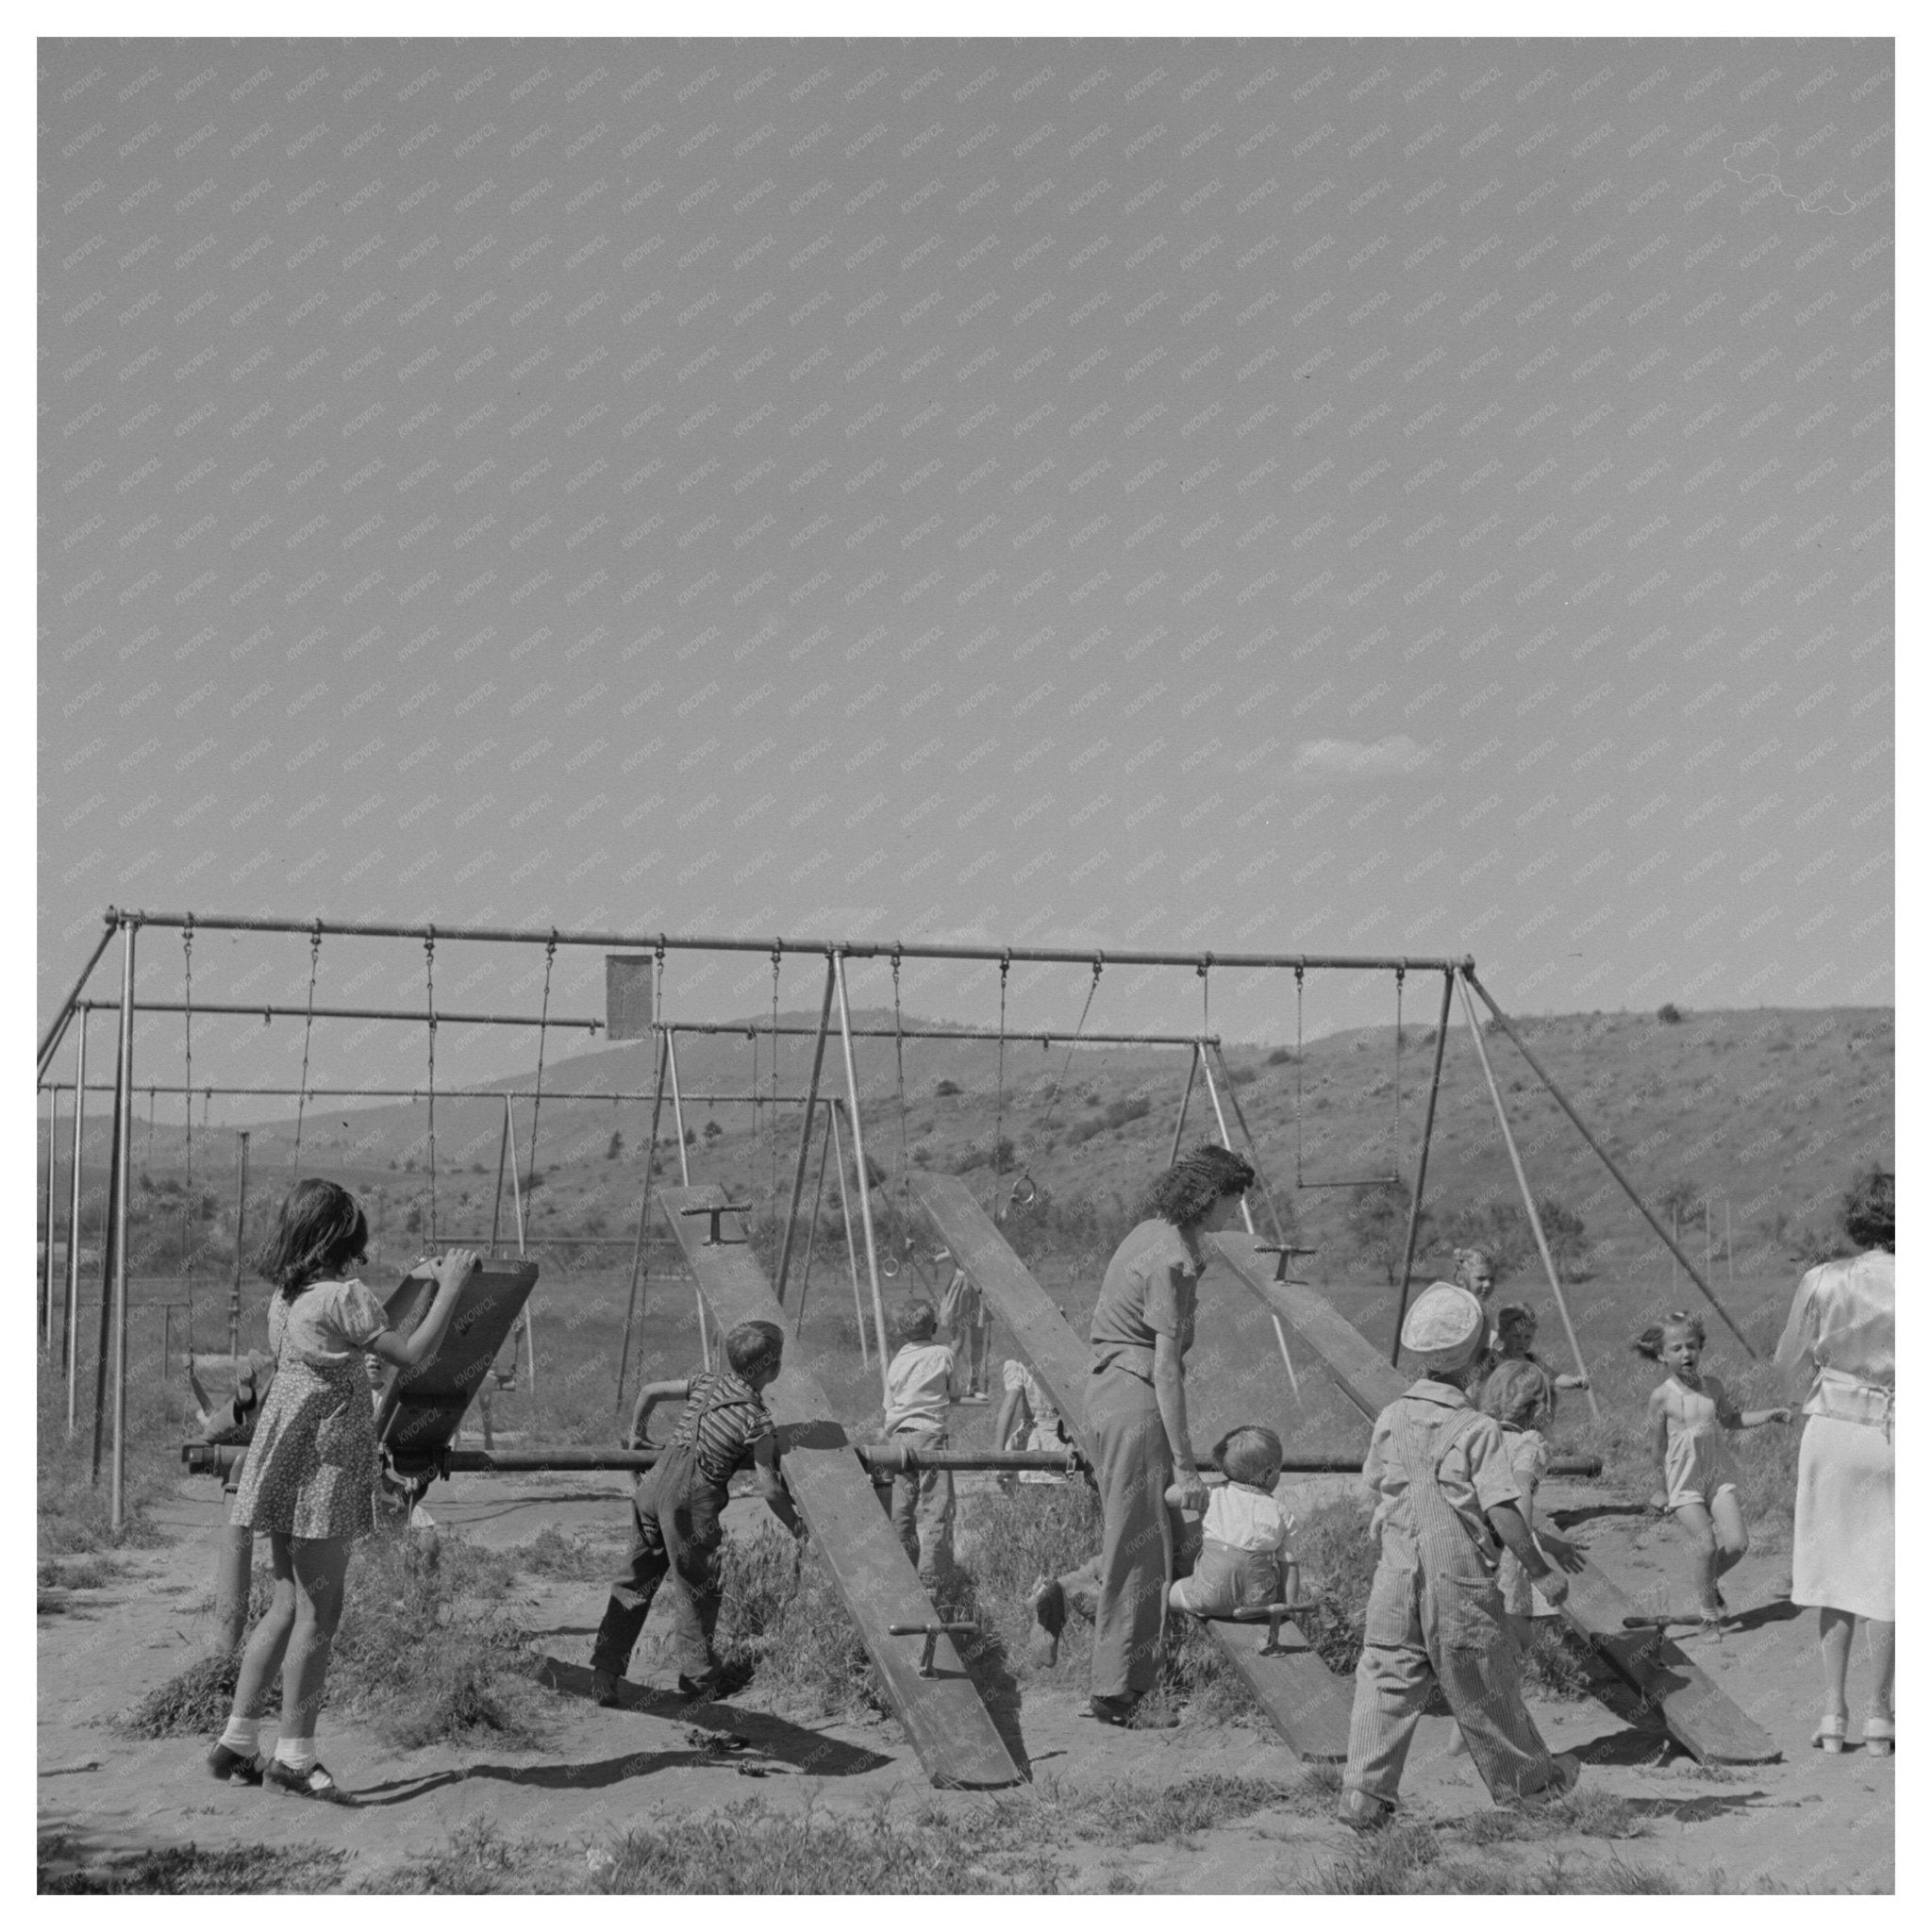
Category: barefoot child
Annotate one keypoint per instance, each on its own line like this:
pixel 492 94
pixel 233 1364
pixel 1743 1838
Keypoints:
pixel 1244 1533
pixel 1446 1501
pixel 1029 1418
pixel 675 1529
pixel 1690 1412
pixel 311 1466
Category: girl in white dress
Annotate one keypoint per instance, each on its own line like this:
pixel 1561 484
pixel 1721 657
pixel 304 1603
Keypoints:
pixel 1697 1482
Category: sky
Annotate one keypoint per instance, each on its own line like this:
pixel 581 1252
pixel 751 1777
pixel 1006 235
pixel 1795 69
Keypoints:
pixel 1413 497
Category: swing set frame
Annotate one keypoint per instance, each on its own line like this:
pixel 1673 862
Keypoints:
pixel 1459 975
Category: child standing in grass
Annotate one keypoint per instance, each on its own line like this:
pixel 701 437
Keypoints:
pixel 1244 1561
pixel 918 1385
pixel 1690 1412
pixel 1521 1396
pixel 675 1526
pixel 1446 1500
pixel 311 1466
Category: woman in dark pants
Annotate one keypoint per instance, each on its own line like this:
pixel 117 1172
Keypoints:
pixel 1136 1412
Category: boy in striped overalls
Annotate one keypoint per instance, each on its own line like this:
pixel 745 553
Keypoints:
pixel 1446 1499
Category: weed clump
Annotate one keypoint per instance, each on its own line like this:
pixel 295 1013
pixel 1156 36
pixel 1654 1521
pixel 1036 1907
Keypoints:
pixel 783 1619
pixel 757 1851
pixel 415 1663
pixel 1338 1559
pixel 178 1868
pixel 192 1703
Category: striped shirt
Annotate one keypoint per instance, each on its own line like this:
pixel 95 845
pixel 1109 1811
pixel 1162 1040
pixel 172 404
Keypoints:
pixel 723 1418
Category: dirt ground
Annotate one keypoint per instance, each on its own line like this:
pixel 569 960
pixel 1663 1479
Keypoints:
pixel 1808 1822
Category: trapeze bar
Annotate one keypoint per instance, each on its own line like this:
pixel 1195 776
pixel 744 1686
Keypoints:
pixel 853 949
pixel 764 1030
pixel 266 1009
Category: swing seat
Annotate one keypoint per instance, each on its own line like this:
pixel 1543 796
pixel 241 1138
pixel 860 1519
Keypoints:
pixel 420 1409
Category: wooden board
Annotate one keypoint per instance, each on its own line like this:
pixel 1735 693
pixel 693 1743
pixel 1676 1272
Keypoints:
pixel 1692 1707
pixel 1306 1702
pixel 421 1407
pixel 950 1728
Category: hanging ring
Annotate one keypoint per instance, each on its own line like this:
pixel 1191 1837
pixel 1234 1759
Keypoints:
pixel 1016 1199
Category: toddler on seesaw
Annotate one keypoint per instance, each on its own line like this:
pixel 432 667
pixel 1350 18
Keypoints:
pixel 1244 1547
pixel 1690 1412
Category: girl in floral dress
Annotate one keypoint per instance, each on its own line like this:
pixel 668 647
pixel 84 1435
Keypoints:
pixel 310 1469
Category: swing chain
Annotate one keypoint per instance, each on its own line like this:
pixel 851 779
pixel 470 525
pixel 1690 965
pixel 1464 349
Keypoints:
pixel 542 1036
pixel 999 1096
pixel 777 960
pixel 899 1064
pixel 187 1086
pixel 429 977
pixel 1026 1181
pixel 308 1031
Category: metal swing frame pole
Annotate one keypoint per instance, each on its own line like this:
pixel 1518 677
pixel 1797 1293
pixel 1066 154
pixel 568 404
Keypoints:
pixel 684 1170
pixel 107 1238
pixel 1422 1169
pixel 123 1104
pixel 633 1314
pixel 872 1257
pixel 811 1239
pixel 811 1101
pixel 1295 1381
pixel 69 1338
pixel 50 1040
pixel 851 1246
pixel 1596 1147
pixel 1536 1223
pixel 45 1312
pixel 1181 1124
pixel 501 1155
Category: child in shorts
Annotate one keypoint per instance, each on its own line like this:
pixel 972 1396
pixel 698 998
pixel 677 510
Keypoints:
pixel 1245 1560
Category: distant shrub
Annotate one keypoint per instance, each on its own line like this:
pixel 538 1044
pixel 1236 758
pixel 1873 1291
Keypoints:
pixel 1242 1076
pixel 1669 1013
pixel 946 1089
pixel 1282 1057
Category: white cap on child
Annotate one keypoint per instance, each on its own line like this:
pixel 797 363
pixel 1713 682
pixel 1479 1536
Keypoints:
pixel 1445 1326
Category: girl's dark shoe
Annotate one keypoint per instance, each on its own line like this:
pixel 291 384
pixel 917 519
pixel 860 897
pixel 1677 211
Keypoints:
pixel 313 1783
pixel 1132 1713
pixel 698 1690
pixel 233 1766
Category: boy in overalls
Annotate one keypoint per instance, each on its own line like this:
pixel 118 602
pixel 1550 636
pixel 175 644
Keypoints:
pixel 675 1530
pixel 1446 1499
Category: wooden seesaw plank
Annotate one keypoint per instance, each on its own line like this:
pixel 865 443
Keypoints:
pixel 1306 1701
pixel 421 1407
pixel 949 1728
pixel 1693 1709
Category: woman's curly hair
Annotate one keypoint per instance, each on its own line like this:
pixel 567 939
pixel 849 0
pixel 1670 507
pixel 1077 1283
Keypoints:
pixel 1191 1187
pixel 1868 1210
pixel 319 1231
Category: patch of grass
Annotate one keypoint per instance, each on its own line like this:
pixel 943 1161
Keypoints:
pixel 189 1867
pixel 73 1514
pixel 1407 1860
pixel 478 1859
pixel 755 1850
pixel 80 1573
pixel 192 1703
pixel 784 1621
pixel 1555 1662
pixel 1338 1558
pixel 553 1554
pixel 1130 1814
pixel 425 1653
pixel 1581 1814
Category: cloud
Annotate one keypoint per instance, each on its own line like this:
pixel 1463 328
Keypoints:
pixel 1319 760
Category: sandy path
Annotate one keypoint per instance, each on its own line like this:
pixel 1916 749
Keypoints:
pixel 1809 1822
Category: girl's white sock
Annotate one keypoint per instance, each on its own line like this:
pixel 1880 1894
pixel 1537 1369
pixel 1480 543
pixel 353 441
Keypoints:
pixel 243 1735
pixel 298 1754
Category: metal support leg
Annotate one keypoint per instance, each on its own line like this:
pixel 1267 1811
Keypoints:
pixel 69 1338
pixel 812 1097
pixel 871 1257
pixel 124 1100
pixel 1422 1169
pixel 1542 1246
